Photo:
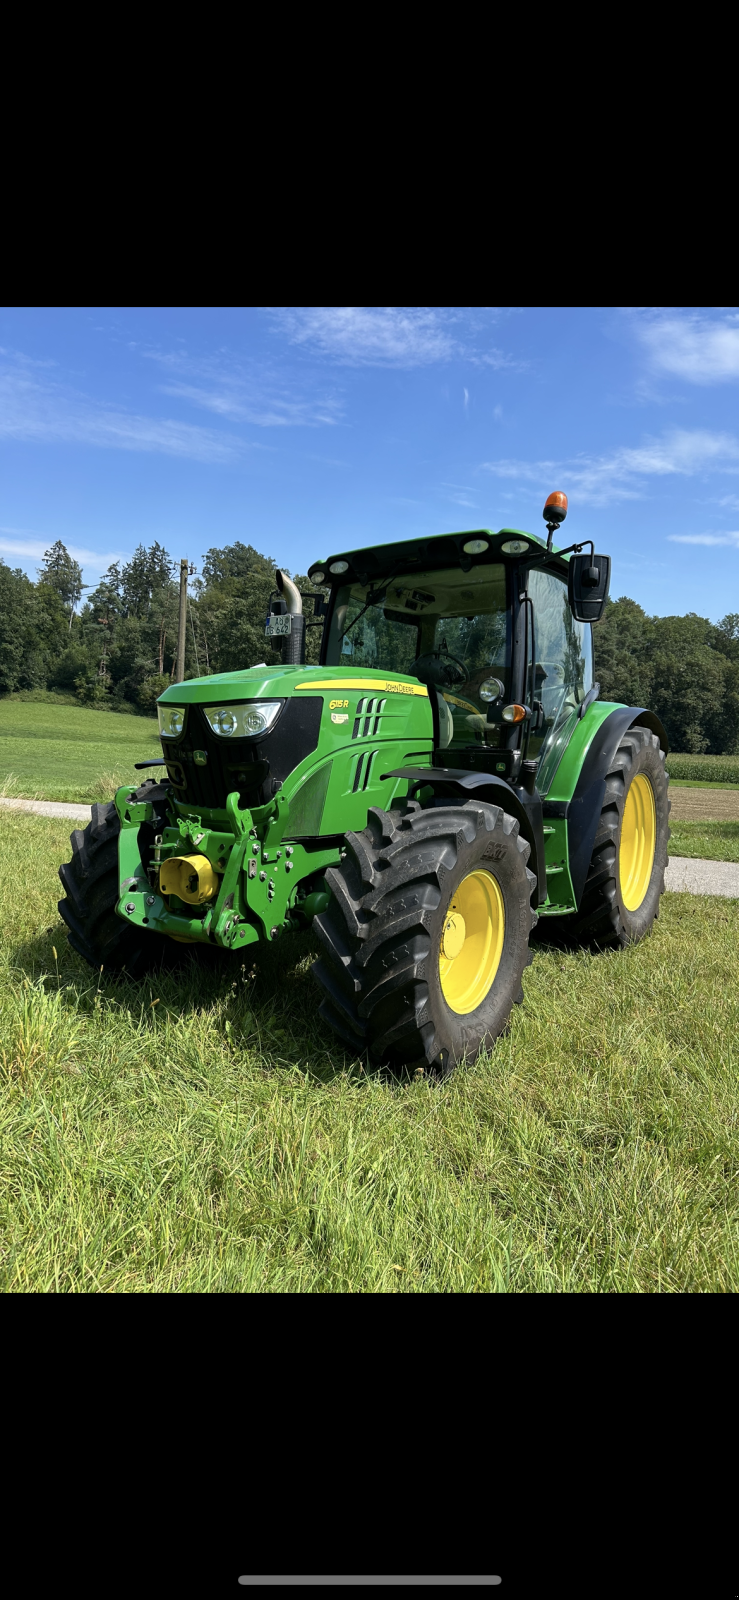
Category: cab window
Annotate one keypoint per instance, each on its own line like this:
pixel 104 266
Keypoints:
pixel 562 660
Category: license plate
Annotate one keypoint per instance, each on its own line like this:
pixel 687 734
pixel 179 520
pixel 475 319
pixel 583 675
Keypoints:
pixel 278 625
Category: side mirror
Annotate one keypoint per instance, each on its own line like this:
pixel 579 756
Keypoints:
pixel 588 582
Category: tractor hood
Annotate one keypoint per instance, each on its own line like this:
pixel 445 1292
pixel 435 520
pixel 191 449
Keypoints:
pixel 325 732
pixel 250 684
pixel 256 683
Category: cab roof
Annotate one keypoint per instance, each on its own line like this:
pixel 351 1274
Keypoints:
pixel 440 550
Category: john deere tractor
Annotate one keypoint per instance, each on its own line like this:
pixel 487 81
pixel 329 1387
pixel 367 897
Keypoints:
pixel 444 777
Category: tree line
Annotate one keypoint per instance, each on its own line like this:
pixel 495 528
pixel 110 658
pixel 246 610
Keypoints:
pixel 117 646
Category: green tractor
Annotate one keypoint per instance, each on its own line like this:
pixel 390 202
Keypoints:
pixel 444 777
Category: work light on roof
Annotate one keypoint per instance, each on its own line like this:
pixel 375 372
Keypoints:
pixel 337 567
pixel 475 547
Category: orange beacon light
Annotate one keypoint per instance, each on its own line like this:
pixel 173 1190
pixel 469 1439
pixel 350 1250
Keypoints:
pixel 555 511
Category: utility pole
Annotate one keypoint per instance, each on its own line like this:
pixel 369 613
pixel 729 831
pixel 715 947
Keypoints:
pixel 184 571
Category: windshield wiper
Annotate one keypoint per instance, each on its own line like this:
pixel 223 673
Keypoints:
pixel 372 598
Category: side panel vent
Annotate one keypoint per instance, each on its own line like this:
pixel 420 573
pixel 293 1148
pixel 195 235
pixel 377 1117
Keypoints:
pixel 363 770
pixel 367 720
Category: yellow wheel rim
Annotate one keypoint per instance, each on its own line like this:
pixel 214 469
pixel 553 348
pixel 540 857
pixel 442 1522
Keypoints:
pixel 471 942
pixel 638 842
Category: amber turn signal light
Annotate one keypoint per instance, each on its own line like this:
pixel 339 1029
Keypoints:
pixel 515 713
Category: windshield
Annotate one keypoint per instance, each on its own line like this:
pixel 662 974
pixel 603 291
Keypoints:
pixel 448 627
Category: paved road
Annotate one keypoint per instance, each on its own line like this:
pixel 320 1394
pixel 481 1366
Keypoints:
pixel 703 877
pixel 49 808
pixel 693 877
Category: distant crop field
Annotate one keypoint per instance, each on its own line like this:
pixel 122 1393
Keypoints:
pixel 63 752
pixel 202 1132
pixel 708 769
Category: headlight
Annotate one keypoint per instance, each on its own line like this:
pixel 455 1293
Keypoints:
pixel 491 689
pixel 171 721
pixel 245 721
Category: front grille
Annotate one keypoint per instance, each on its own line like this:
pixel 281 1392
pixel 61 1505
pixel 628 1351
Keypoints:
pixel 256 768
pixel 367 720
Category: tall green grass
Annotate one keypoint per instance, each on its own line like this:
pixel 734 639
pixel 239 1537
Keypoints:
pixel 203 1132
pixel 708 769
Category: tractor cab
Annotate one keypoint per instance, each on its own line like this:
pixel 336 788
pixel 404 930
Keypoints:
pixel 486 622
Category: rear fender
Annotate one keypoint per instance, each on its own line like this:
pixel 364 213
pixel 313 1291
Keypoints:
pixel 583 810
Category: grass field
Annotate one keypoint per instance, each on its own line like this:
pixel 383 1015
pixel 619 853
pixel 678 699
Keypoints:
pixel 707 841
pixel 63 752
pixel 693 783
pixel 206 1134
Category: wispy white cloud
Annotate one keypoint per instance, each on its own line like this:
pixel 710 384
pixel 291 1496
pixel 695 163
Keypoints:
pixel 621 474
pixel 391 336
pixel 459 494
pixel 277 411
pixel 371 335
pixel 33 410
pixel 705 538
pixel 14 542
pixel 247 392
pixel 698 346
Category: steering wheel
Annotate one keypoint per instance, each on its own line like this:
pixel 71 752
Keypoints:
pixel 430 669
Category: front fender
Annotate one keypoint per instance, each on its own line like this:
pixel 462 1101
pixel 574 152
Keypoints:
pixel 460 783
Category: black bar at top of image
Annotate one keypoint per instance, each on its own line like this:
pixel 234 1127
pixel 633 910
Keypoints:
pixel 381 1582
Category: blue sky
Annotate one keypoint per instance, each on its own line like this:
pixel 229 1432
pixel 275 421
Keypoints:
pixel 308 430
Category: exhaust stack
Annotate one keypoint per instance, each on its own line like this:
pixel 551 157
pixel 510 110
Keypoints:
pixel 294 646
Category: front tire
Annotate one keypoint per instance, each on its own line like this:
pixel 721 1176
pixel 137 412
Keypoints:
pixel 91 884
pixel 427 935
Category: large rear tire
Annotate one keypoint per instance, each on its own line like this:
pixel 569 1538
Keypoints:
pixel 626 876
pixel 427 935
pixel 91 885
